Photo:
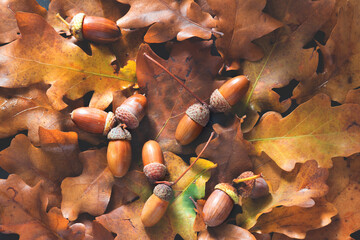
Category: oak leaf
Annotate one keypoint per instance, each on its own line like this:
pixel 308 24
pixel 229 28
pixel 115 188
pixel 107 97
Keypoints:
pixel 296 221
pixel 285 57
pixel 24 212
pixel 229 150
pixel 56 159
pixel 90 192
pixel 8 28
pixel 168 19
pixel 296 188
pixel 314 130
pixel 41 55
pixel 29 108
pixel 344 194
pixel 241 21
pixel 191 62
pixel 226 231
pixel 341 58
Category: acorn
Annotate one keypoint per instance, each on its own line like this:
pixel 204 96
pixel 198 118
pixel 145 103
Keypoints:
pixel 156 205
pixel 91 28
pixel 93 120
pixel 229 93
pixel 250 185
pixel 192 123
pixel 219 204
pixel 119 151
pixel 153 160
pixel 132 111
pixel 260 189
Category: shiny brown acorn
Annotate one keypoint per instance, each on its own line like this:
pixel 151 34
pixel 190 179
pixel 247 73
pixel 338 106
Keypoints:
pixel 156 205
pixel 192 123
pixel 153 161
pixel 91 28
pixel 119 151
pixel 93 120
pixel 229 93
pixel 219 204
pixel 132 111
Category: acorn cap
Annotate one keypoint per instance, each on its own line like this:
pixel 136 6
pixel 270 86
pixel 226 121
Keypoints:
pixel 229 190
pixel 119 133
pixel 110 122
pixel 155 171
pixel 218 102
pixel 76 26
pixel 123 114
pixel 245 188
pixel 199 113
pixel 163 192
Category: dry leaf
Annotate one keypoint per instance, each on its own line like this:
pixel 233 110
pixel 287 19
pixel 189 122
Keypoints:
pixel 167 100
pixel 41 55
pixel 344 194
pixel 56 159
pixel 296 221
pixel 24 212
pixel 8 27
pixel 229 151
pixel 168 19
pixel 226 231
pixel 296 188
pixel 29 108
pixel 90 192
pixel 285 57
pixel 341 58
pixel 241 21
pixel 314 130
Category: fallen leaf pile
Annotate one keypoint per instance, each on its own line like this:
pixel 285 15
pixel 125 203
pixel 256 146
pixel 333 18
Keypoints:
pixel 298 125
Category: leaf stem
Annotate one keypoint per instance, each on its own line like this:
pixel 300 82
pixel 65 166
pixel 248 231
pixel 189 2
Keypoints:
pixel 63 20
pixel 247 179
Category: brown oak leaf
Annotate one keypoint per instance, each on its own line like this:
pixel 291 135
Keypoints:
pixel 167 100
pixel 241 21
pixel 41 55
pixel 341 58
pixel 296 221
pixel 56 159
pixel 296 188
pixel 168 19
pixel 8 28
pixel 226 231
pixel 29 108
pixel 314 130
pixel 345 195
pixel 229 150
pixel 24 212
pixel 90 192
pixel 285 57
